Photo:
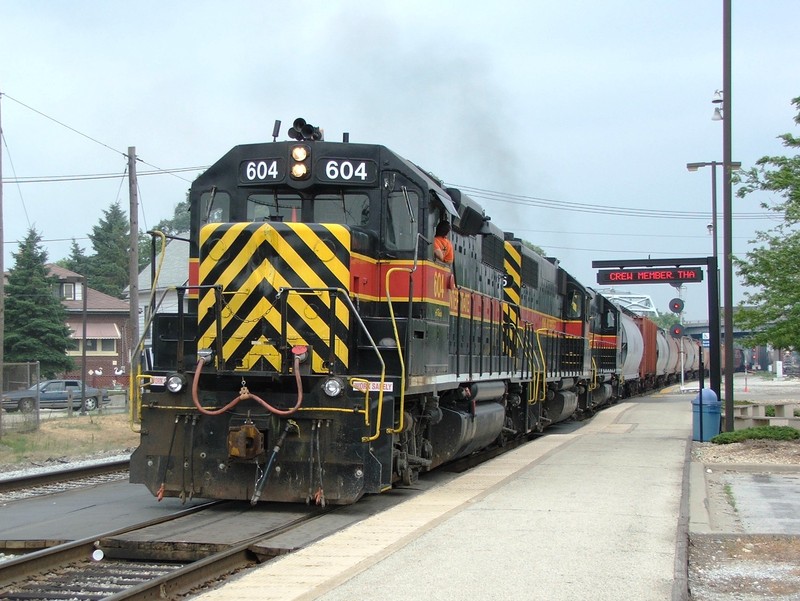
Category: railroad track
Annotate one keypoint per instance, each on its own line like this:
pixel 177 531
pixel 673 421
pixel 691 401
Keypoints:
pixel 99 567
pixel 59 480
pixel 91 570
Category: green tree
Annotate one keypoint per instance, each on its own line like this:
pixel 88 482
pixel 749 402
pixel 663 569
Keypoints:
pixel 537 249
pixel 666 319
pixel 108 268
pixel 772 268
pixel 179 223
pixel 35 320
pixel 77 260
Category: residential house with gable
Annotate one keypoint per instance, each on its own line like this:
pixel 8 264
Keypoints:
pixel 107 340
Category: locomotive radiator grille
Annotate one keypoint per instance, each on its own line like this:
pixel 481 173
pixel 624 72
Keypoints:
pixel 253 263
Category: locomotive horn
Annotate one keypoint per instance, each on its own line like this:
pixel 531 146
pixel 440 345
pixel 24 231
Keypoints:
pixel 308 131
pixel 296 131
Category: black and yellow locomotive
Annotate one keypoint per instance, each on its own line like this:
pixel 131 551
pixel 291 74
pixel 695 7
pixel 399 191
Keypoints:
pixel 320 352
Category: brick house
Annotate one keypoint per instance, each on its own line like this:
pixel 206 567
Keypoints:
pixel 107 339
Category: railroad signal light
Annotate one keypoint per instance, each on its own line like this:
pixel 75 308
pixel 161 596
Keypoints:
pixel 676 330
pixel 676 305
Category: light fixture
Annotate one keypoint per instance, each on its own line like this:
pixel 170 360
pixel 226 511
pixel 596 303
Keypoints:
pixel 333 387
pixel 175 383
pixel 717 99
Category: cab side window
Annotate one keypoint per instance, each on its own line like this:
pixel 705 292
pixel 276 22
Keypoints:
pixel 400 225
pixel 216 207
pixel 574 308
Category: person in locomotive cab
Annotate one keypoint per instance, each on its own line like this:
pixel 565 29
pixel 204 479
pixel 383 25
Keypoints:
pixel 442 247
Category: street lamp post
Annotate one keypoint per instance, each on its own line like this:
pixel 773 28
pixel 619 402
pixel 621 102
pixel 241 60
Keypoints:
pixel 714 330
pixel 734 166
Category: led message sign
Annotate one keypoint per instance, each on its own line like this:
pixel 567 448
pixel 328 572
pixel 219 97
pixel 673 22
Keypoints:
pixel 654 275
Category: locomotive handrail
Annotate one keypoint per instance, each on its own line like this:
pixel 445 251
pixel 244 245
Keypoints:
pixel 401 423
pixel 348 301
pixel 134 390
pixel 594 384
pixel 537 373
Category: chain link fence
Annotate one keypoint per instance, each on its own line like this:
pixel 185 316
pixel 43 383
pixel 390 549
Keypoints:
pixel 19 376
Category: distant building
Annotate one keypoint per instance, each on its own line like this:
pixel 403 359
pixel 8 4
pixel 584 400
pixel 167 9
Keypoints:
pixel 173 272
pixel 107 340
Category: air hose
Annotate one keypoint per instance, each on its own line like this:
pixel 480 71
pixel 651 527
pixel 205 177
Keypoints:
pixel 290 426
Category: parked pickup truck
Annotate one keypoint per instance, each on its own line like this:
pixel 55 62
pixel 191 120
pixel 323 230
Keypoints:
pixel 53 394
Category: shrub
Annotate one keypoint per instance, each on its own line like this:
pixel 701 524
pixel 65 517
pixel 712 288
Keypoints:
pixel 760 432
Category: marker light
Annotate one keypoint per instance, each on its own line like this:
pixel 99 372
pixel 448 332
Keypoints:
pixel 175 383
pixel 333 387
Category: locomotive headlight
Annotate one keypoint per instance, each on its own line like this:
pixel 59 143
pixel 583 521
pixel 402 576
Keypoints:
pixel 175 383
pixel 333 387
pixel 299 171
pixel 301 161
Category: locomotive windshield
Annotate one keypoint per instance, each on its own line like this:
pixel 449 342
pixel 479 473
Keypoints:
pixel 344 208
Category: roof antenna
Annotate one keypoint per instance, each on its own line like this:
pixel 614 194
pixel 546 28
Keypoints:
pixel 346 137
pixel 276 130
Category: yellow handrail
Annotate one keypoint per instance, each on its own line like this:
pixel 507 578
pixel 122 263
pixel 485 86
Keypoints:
pixel 134 395
pixel 401 422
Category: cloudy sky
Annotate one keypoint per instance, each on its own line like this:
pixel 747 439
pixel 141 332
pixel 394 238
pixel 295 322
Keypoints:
pixel 580 112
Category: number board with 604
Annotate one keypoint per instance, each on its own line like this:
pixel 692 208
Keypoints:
pixel 344 170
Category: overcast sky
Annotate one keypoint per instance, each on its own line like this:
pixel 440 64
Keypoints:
pixel 583 104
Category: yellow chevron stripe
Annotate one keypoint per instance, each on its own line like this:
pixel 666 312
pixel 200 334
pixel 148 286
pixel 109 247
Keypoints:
pixel 217 253
pixel 233 303
pixel 324 252
pixel 321 329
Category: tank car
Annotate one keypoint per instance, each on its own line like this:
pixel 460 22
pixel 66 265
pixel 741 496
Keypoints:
pixel 320 352
pixel 691 357
pixel 648 368
pixel 632 351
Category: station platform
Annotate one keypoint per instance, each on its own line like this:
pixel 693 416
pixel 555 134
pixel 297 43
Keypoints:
pixel 599 510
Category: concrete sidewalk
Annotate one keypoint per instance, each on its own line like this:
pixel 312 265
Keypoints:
pixel 595 512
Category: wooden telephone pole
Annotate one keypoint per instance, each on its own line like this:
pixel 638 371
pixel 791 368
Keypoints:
pixel 133 264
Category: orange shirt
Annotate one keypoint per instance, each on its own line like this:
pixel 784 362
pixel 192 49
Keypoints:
pixel 443 244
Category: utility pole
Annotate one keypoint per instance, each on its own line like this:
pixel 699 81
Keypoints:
pixel 133 264
pixel 727 209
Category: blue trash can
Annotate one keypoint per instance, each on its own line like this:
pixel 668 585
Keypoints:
pixel 706 414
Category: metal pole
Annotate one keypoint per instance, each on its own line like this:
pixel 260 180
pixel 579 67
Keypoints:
pixel 714 229
pixel 713 327
pixel 84 294
pixel 727 113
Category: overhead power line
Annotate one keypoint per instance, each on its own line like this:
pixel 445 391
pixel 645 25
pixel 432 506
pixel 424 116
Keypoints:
pixel 88 137
pixel 549 203
pixel 38 179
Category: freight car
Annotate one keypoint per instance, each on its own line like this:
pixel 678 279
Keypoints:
pixel 320 350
